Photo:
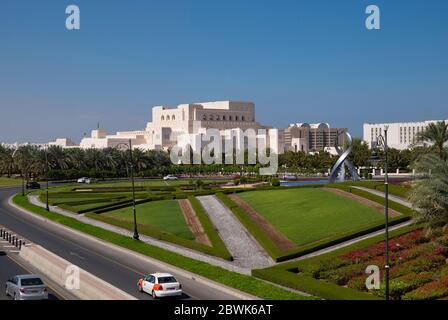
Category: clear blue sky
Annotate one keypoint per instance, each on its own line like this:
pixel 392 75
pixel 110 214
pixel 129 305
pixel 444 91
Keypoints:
pixel 299 61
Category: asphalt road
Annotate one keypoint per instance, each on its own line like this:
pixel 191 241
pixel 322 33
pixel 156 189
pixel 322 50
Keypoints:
pixel 122 271
pixel 10 268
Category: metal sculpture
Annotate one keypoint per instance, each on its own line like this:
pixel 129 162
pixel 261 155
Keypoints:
pixel 338 171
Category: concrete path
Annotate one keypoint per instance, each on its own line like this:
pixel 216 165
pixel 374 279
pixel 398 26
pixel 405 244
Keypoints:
pixel 381 194
pixel 246 252
pixel 352 241
pixel 232 266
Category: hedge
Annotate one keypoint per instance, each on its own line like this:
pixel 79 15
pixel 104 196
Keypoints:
pixel 312 286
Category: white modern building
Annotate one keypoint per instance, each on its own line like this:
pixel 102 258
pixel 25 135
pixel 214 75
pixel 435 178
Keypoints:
pixel 186 125
pixel 401 135
pixel 180 126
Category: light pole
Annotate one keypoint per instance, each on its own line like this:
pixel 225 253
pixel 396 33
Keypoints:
pixel 136 236
pixel 382 141
pixel 47 206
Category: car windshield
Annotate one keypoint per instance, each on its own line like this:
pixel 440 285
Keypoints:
pixel 167 279
pixel 31 282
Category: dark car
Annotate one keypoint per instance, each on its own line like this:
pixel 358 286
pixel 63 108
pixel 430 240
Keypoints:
pixel 33 185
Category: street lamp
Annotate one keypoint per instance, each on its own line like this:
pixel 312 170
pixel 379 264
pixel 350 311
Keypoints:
pixel 47 206
pixel 382 142
pixel 129 145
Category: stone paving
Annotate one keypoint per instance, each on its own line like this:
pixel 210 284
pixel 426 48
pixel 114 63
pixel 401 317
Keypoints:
pixel 246 252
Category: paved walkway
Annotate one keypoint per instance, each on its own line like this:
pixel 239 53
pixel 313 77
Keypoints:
pixel 246 252
pixel 232 266
pixel 381 194
pixel 352 241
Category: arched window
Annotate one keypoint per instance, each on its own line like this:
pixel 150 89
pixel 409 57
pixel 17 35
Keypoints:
pixel 168 117
pixel 173 117
pixel 230 118
pixel 210 117
pixel 217 117
pixel 163 118
pixel 224 118
pixel 242 118
pixel 236 118
pixel 204 117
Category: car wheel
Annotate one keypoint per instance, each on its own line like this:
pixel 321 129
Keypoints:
pixel 15 296
pixel 154 294
pixel 6 291
pixel 140 288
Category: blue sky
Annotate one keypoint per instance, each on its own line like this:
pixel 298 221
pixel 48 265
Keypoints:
pixel 299 61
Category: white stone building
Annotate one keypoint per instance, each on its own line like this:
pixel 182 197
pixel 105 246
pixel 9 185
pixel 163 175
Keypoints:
pixel 182 125
pixel 401 135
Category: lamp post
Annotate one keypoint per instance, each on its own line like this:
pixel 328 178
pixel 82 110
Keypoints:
pixel 382 142
pixel 47 206
pixel 129 145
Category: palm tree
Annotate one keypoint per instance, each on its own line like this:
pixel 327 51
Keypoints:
pixel 58 158
pixel 430 193
pixel 25 159
pixel 77 158
pixel 436 133
pixel 7 164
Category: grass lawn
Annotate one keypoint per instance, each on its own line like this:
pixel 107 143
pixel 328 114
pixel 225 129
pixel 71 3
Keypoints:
pixel 310 214
pixel 165 215
pixel 7 182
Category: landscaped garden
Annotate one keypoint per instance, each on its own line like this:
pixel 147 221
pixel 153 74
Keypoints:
pixel 165 212
pixel 291 222
pixel 164 215
pixel 306 215
pixel 419 268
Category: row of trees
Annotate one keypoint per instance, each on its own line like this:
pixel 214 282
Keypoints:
pixel 31 161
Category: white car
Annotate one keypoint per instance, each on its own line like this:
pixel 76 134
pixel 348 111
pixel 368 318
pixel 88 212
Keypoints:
pixel 170 177
pixel 160 285
pixel 82 180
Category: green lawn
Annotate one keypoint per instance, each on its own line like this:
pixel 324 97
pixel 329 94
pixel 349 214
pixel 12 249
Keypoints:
pixel 310 214
pixel 164 215
pixel 7 182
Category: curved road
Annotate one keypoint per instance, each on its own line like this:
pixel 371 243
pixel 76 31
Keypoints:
pixel 109 265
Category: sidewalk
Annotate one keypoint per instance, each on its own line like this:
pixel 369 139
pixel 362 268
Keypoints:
pixel 381 194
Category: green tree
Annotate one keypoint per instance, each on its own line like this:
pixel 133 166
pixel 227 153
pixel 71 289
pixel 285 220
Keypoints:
pixel 437 134
pixel 361 153
pixel 429 195
pixel 7 164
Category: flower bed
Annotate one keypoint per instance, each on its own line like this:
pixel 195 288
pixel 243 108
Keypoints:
pixel 419 266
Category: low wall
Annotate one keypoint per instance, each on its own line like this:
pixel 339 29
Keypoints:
pixel 54 267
